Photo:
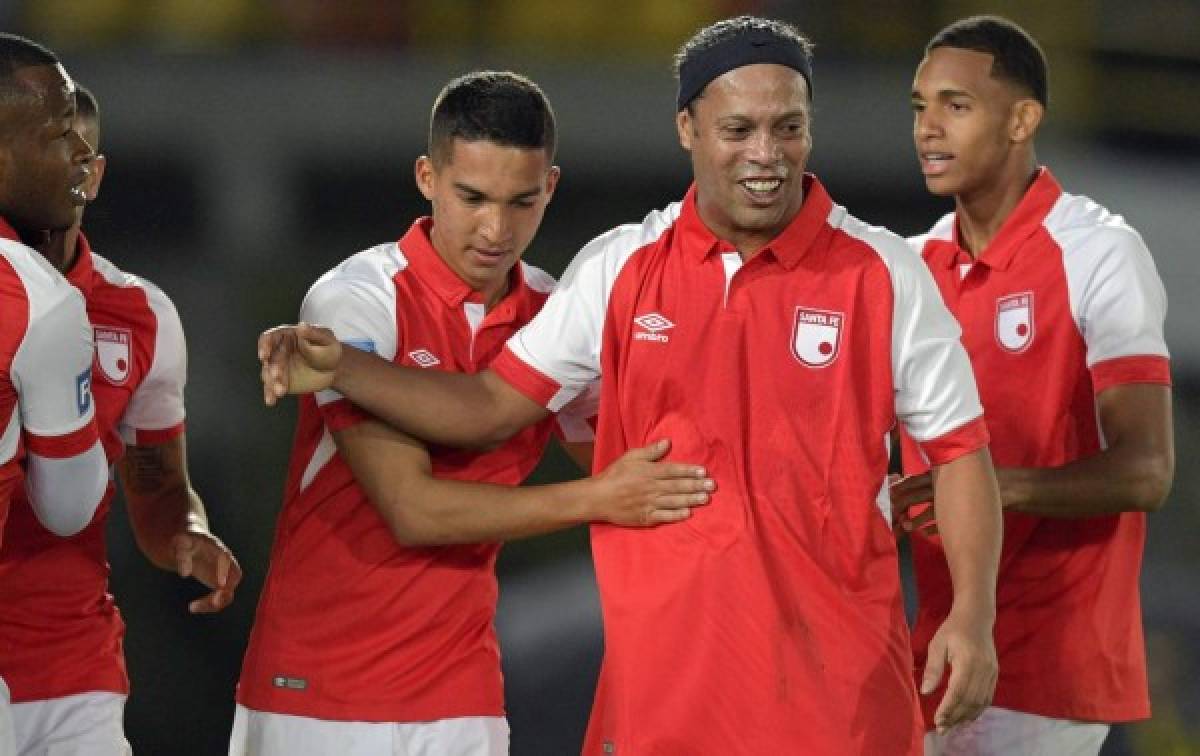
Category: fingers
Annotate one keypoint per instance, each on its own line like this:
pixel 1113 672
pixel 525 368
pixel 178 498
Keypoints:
pixel 910 491
pixel 969 690
pixel 212 603
pixel 184 547
pixel 934 665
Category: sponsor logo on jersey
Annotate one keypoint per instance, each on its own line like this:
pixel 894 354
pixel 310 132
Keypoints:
pixel 113 353
pixel 1014 321
pixel 290 683
pixel 83 391
pixel 424 358
pixel 816 336
pixel 653 324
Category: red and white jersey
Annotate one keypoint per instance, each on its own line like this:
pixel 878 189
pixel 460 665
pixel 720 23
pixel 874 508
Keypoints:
pixel 45 365
pixel 1064 303
pixel 60 632
pixel 772 616
pixel 352 625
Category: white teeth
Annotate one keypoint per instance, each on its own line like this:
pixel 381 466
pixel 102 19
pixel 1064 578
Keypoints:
pixel 763 186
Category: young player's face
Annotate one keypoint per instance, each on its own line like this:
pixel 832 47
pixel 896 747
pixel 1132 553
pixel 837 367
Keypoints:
pixel 42 158
pixel 962 117
pixel 488 201
pixel 749 138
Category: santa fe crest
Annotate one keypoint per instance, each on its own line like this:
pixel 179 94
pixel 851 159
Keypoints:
pixel 1014 321
pixel 816 336
pixel 113 353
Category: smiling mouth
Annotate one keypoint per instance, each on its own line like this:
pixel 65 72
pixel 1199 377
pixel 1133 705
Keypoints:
pixel 762 189
pixel 935 163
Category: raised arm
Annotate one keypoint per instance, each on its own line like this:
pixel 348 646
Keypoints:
pixel 420 509
pixel 170 524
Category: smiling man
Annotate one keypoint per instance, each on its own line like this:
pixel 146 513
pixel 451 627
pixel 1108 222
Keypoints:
pixel 1062 314
pixel 777 340
pixel 374 634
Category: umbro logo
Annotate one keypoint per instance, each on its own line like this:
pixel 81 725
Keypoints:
pixel 653 323
pixel 424 358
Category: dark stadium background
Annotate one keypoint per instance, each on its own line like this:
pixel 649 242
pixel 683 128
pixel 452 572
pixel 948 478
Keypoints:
pixel 252 145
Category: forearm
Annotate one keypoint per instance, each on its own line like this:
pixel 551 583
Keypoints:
pixel 1107 483
pixel 160 500
pixel 452 409
pixel 968 514
pixel 433 511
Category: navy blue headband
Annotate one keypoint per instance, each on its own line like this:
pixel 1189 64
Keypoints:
pixel 754 46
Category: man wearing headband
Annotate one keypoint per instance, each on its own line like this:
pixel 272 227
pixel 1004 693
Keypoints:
pixel 777 341
pixel 1062 313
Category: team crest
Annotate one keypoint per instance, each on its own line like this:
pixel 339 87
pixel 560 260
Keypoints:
pixel 816 336
pixel 1014 321
pixel 113 353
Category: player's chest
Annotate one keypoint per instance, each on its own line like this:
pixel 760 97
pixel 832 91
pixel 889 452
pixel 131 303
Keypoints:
pixel 1015 320
pixel 459 339
pixel 752 327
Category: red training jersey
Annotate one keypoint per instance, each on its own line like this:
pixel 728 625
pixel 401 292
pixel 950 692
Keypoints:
pixel 771 620
pixel 1063 304
pixel 60 632
pixel 352 625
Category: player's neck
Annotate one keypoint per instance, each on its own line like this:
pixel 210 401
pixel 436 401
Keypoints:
pixel 981 214
pixel 61 248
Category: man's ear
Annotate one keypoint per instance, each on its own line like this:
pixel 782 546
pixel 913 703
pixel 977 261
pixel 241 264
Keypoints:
pixel 1027 116
pixel 426 176
pixel 685 125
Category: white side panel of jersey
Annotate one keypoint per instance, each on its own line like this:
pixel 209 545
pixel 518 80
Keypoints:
pixel 563 341
pixel 1117 298
pixel 157 403
pixel 52 367
pixel 536 278
pixel 357 301
pixel 935 387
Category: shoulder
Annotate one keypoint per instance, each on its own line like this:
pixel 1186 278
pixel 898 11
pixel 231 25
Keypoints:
pixel 370 272
pixel 1087 231
pixel 536 279
pixel 877 243
pixel 607 253
pixel 36 279
pixel 942 231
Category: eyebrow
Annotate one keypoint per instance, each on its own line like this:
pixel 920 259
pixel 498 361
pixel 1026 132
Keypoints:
pixel 467 189
pixel 944 94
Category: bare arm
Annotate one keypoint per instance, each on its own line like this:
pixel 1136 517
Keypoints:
pixel 968 512
pixel 420 509
pixel 454 409
pixel 170 524
pixel 1132 474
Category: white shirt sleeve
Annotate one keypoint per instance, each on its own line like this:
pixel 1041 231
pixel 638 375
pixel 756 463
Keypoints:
pixel 1117 297
pixel 357 301
pixel 157 403
pixel 934 384
pixel 66 471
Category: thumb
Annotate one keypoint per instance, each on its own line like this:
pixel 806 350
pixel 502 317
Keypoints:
pixel 935 666
pixel 654 451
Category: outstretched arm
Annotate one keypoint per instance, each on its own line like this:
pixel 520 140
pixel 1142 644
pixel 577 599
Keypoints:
pixel 455 409
pixel 170 524
pixel 420 509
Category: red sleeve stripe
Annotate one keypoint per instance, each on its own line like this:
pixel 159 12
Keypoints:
pixel 962 440
pixel 145 437
pixel 524 378
pixel 1142 368
pixel 62 447
pixel 341 414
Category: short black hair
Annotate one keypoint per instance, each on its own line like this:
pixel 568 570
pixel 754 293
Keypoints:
pixel 1016 56
pixel 16 53
pixel 729 28
pixel 502 107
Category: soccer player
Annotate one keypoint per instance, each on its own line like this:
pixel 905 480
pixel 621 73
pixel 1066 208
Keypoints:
pixel 46 408
pixel 778 340
pixel 64 663
pixel 1062 314
pixel 372 629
